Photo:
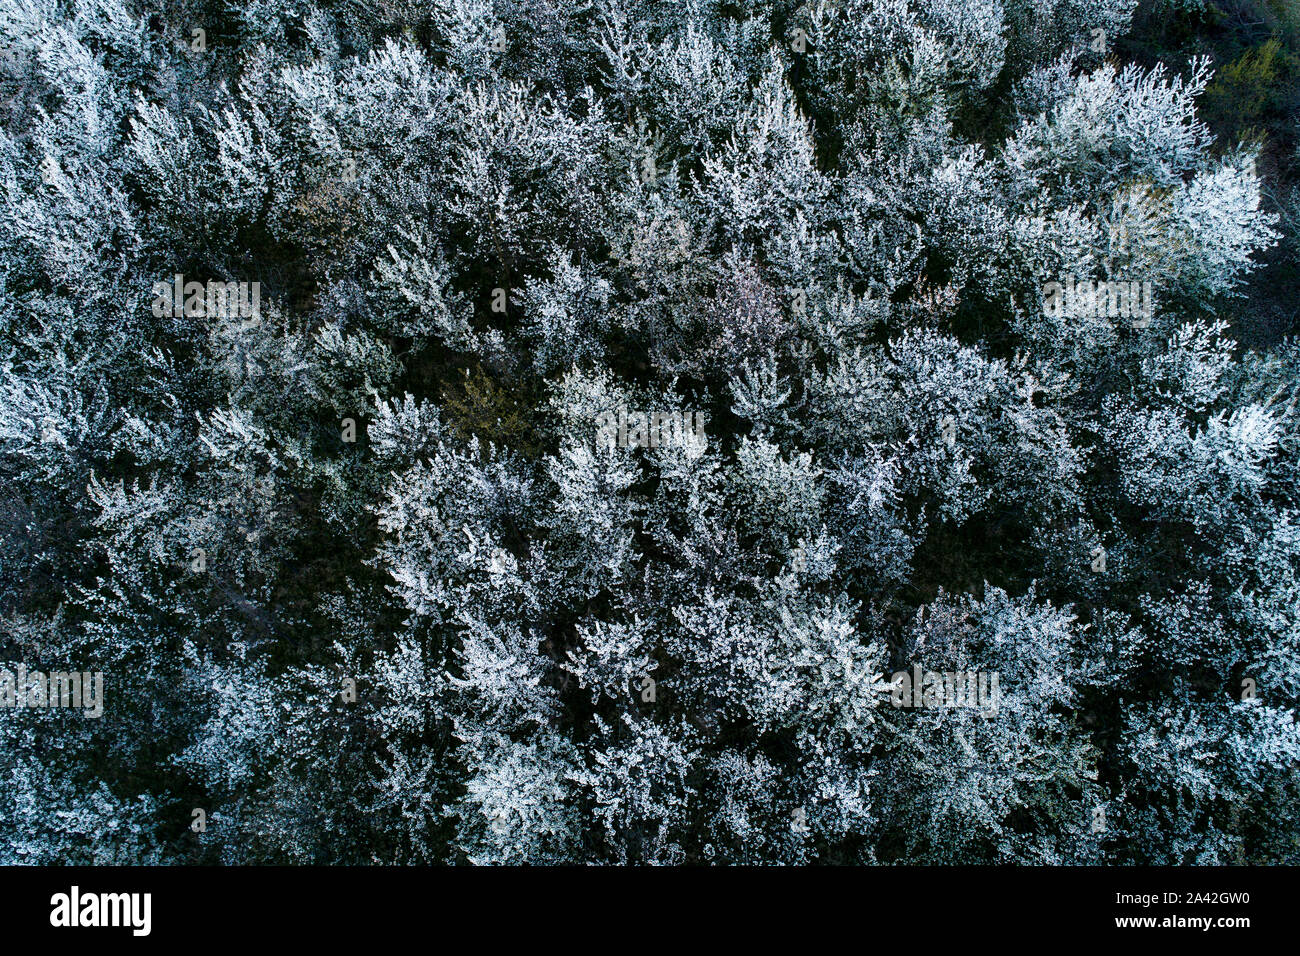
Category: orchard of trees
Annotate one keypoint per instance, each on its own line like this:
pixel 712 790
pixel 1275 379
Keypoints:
pixel 538 432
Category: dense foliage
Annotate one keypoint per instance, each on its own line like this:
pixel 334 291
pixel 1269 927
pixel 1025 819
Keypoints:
pixel 368 582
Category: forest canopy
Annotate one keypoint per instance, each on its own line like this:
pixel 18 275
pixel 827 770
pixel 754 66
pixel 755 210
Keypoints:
pixel 616 431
